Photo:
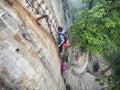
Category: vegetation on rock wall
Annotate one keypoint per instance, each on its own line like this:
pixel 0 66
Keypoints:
pixel 97 31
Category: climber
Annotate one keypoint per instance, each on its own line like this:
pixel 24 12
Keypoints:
pixel 96 66
pixel 61 38
pixel 63 67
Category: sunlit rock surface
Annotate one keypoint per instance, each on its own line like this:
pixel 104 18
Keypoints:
pixel 76 76
pixel 29 57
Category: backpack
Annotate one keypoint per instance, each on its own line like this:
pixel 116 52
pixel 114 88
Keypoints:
pixel 65 37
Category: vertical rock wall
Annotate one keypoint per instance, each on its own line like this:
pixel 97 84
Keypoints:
pixel 62 11
pixel 28 56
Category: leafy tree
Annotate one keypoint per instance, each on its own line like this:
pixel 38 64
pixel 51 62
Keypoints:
pixel 97 30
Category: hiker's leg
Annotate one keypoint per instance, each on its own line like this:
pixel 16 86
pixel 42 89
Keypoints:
pixel 60 49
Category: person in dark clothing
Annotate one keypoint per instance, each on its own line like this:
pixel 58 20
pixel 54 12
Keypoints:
pixel 61 39
pixel 96 66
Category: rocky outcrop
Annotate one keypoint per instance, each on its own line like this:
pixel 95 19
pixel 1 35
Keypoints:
pixel 29 58
pixel 82 72
pixel 84 81
pixel 76 77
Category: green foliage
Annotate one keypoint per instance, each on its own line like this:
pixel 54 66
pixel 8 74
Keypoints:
pixel 97 29
pixel 113 82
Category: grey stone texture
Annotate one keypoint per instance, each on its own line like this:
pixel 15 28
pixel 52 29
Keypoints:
pixel 29 57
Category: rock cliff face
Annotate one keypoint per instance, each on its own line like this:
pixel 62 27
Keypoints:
pixel 77 73
pixel 62 10
pixel 29 58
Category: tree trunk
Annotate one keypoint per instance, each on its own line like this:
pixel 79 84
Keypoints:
pixel 90 4
pixel 104 71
